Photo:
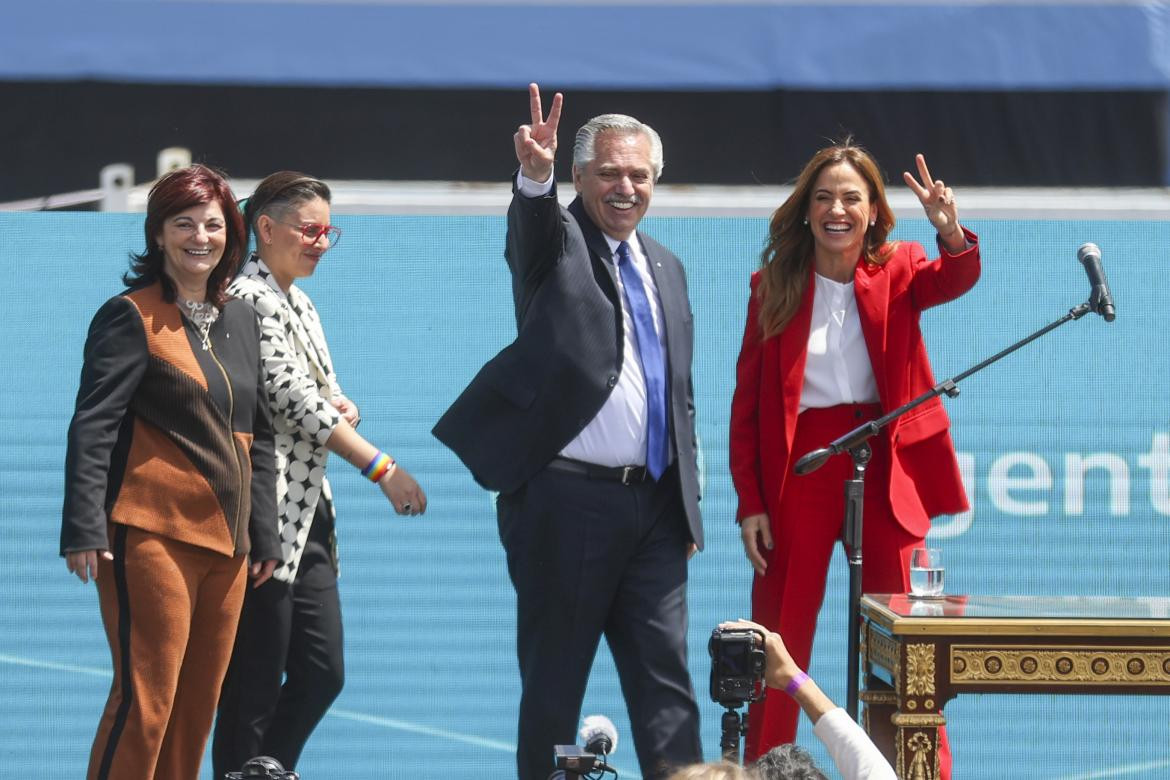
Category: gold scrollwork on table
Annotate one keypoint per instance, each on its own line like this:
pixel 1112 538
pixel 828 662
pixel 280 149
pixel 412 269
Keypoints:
pixel 920 768
pixel 918 721
pixel 1089 666
pixel 882 651
pixel 920 669
pixel 879 698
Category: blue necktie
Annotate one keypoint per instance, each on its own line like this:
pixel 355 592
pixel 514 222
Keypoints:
pixel 653 366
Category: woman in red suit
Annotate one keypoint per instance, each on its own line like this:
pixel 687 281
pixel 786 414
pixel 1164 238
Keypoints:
pixel 832 340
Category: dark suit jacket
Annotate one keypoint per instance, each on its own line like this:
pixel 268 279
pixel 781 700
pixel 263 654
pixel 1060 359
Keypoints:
pixel 924 478
pixel 540 391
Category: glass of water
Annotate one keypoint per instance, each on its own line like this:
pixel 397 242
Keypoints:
pixel 926 573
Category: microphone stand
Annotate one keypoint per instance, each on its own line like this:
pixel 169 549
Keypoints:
pixel 856 443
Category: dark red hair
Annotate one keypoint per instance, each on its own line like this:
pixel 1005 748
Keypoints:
pixel 178 191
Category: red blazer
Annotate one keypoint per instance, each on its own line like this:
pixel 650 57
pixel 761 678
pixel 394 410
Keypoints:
pixel 924 472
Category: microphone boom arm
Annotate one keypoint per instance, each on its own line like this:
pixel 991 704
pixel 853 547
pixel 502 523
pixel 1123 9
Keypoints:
pixel 950 387
pixel 855 442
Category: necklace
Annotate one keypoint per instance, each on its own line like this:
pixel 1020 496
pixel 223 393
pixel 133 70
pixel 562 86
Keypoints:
pixel 201 314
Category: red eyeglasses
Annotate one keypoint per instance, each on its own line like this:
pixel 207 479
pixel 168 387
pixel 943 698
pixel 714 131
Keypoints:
pixel 311 233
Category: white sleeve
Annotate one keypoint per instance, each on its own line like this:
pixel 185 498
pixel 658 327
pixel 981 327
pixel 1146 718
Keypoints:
pixel 533 189
pixel 854 755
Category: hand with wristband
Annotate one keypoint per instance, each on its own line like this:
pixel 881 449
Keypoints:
pixel 404 493
pixel 852 751
pixel 400 487
pixel 782 673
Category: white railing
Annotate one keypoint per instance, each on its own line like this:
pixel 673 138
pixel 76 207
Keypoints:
pixel 118 192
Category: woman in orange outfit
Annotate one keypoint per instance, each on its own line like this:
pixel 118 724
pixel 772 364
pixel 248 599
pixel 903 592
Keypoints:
pixel 170 489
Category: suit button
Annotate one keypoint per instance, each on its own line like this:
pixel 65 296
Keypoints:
pixel 612 381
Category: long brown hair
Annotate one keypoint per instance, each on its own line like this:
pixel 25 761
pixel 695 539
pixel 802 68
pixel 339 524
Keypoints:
pixel 784 264
pixel 177 191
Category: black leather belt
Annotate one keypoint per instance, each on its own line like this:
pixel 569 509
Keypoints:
pixel 627 475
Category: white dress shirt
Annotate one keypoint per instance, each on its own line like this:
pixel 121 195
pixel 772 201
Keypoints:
pixel 837 369
pixel 617 435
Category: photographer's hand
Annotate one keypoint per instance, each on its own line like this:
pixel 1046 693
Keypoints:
pixel 850 748
pixel 780 671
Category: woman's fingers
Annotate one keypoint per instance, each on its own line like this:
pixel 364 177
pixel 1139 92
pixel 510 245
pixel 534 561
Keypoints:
pixel 754 530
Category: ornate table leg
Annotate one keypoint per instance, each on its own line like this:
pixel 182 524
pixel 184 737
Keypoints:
pixel 879 651
pixel 917 743
pixel 919 714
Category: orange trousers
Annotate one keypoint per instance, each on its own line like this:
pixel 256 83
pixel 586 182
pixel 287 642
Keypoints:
pixel 170 611
pixel 787 599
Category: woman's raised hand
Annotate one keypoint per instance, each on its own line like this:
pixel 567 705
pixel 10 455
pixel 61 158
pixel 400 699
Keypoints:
pixel 536 143
pixel 938 201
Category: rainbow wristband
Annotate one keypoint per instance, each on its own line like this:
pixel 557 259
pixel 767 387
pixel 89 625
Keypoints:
pixel 795 683
pixel 378 467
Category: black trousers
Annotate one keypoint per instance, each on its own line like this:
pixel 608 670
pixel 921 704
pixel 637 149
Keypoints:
pixel 287 666
pixel 591 557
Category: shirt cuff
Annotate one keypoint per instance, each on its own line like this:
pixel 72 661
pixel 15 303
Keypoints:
pixel 533 189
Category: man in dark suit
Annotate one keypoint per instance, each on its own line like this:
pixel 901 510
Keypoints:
pixel 585 425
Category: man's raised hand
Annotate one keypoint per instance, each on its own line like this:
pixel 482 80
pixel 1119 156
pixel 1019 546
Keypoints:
pixel 536 143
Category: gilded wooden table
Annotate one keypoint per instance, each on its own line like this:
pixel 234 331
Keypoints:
pixel 919 654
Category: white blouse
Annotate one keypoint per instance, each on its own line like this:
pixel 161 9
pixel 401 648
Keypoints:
pixel 837 369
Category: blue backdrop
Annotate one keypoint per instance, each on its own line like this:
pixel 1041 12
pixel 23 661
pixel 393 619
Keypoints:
pixel 1065 446
pixel 673 44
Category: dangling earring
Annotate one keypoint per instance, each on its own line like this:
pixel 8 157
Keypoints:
pixel 805 221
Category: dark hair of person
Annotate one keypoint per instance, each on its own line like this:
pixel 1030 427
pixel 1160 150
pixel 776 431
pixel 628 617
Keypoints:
pixel 789 252
pixel 787 762
pixel 178 191
pixel 279 193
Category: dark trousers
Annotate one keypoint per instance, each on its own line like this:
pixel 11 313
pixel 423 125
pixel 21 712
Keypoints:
pixel 591 557
pixel 287 666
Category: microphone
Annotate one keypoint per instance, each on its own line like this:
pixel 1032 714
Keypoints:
pixel 813 460
pixel 599 735
pixel 1100 300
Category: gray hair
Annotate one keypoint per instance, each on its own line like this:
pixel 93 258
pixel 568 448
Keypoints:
pixel 787 762
pixel 585 145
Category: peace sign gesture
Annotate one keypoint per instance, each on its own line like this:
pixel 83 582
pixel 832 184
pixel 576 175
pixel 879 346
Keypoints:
pixel 938 201
pixel 536 144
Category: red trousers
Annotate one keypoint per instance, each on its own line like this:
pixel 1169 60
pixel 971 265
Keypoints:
pixel 787 599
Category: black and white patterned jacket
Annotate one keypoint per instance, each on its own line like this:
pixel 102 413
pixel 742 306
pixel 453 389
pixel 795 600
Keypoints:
pixel 301 390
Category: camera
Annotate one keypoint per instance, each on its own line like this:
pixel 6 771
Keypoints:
pixel 737 666
pixel 575 759
pixel 262 768
pixel 600 738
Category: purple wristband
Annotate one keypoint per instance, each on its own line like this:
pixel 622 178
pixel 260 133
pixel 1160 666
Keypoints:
pixel 795 683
